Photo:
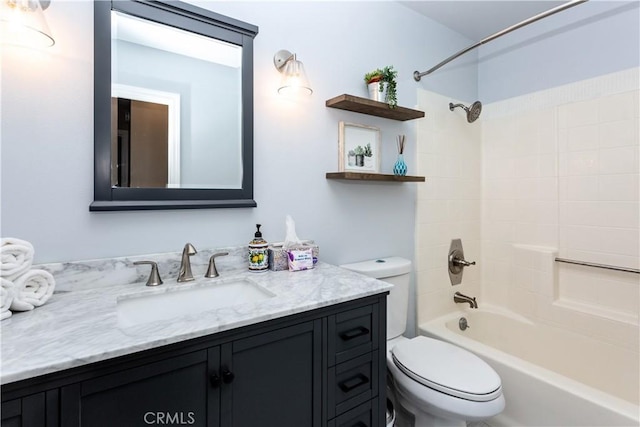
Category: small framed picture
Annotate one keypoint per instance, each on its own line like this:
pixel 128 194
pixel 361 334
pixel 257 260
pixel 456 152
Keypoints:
pixel 358 148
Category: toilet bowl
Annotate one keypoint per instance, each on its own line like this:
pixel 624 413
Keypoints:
pixel 441 384
pixel 431 382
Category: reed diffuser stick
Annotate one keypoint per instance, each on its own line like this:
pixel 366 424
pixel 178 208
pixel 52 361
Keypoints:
pixel 400 143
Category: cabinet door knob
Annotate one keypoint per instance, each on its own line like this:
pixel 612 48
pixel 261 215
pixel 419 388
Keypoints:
pixel 214 379
pixel 227 376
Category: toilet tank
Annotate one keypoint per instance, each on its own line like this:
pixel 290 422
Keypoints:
pixel 394 270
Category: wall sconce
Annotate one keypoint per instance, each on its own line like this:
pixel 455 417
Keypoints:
pixel 294 79
pixel 22 23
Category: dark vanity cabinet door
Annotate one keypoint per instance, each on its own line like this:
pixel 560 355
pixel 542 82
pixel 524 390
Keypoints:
pixel 176 390
pixel 277 378
pixel 36 410
pixel 269 379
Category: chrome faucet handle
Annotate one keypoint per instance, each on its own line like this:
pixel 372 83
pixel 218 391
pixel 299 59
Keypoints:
pixel 457 261
pixel 212 271
pixel 462 262
pixel 185 274
pixel 154 278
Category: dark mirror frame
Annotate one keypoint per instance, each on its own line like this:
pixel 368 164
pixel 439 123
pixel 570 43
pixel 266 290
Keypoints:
pixel 189 18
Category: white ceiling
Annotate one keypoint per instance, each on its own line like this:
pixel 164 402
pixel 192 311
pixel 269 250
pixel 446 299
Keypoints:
pixel 477 19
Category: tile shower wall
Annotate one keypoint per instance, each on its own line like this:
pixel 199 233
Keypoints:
pixel 598 152
pixel 448 204
pixel 520 189
pixel 560 177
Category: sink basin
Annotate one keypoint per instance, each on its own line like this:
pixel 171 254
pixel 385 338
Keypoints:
pixel 181 300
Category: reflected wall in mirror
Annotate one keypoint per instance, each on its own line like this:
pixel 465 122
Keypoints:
pixel 173 107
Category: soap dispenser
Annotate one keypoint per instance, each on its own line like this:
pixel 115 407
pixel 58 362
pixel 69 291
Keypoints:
pixel 258 253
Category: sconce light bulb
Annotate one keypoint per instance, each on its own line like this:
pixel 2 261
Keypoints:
pixel 294 79
pixel 22 23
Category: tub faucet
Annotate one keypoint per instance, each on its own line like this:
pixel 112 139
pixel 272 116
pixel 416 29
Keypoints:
pixel 458 297
pixel 185 274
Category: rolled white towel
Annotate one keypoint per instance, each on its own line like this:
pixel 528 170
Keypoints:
pixel 7 293
pixel 16 257
pixel 33 289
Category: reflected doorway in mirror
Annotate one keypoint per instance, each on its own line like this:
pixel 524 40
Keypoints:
pixel 146 152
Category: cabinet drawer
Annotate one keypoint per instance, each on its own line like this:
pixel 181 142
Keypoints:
pixel 364 415
pixel 353 333
pixel 352 383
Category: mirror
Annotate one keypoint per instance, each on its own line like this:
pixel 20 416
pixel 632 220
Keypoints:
pixel 173 107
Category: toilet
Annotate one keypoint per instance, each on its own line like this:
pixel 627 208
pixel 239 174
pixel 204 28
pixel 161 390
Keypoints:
pixel 432 383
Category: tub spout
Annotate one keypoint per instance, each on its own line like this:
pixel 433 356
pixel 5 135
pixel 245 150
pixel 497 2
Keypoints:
pixel 458 298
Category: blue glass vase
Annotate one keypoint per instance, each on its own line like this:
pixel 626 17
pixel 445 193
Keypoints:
pixel 400 168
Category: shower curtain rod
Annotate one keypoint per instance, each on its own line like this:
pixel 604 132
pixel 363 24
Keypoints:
pixel 418 75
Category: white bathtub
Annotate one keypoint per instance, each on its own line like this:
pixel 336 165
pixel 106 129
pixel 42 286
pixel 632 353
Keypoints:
pixel 550 376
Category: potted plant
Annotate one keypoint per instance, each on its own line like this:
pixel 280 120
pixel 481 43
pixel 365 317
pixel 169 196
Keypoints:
pixel 368 154
pixel 359 155
pixel 351 158
pixel 382 85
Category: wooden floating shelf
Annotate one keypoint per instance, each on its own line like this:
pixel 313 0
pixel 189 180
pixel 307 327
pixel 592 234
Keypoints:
pixel 373 108
pixel 357 176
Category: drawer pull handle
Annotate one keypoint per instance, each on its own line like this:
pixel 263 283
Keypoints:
pixel 354 333
pixel 356 381
pixel 360 424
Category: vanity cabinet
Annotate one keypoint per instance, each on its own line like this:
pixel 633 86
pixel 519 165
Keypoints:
pixel 239 383
pixel 277 378
pixel 318 368
pixel 175 388
pixel 356 366
pixel 35 410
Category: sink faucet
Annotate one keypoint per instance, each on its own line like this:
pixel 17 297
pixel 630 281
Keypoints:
pixel 212 271
pixel 185 274
pixel 458 297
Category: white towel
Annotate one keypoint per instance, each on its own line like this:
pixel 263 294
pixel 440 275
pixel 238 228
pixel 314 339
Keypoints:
pixel 33 289
pixel 16 257
pixel 7 293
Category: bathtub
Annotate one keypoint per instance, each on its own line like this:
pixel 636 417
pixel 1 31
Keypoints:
pixel 550 376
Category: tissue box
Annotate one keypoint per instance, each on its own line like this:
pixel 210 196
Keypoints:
pixel 278 256
pixel 300 259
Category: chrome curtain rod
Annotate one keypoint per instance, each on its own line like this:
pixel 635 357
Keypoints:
pixel 418 75
pixel 593 264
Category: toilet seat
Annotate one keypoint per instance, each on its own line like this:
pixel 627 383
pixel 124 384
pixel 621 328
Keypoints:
pixel 446 368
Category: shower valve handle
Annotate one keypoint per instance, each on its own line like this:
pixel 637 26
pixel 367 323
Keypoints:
pixel 457 262
pixel 462 262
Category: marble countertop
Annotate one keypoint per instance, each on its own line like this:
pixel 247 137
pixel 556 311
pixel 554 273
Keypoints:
pixel 80 325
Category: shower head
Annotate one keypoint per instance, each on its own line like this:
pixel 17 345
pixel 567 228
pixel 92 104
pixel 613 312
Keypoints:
pixel 473 112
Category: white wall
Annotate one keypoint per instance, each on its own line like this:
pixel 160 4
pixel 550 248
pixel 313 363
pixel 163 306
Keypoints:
pixel 47 137
pixel 588 40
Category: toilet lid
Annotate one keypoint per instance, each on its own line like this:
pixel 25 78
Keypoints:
pixel 447 368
